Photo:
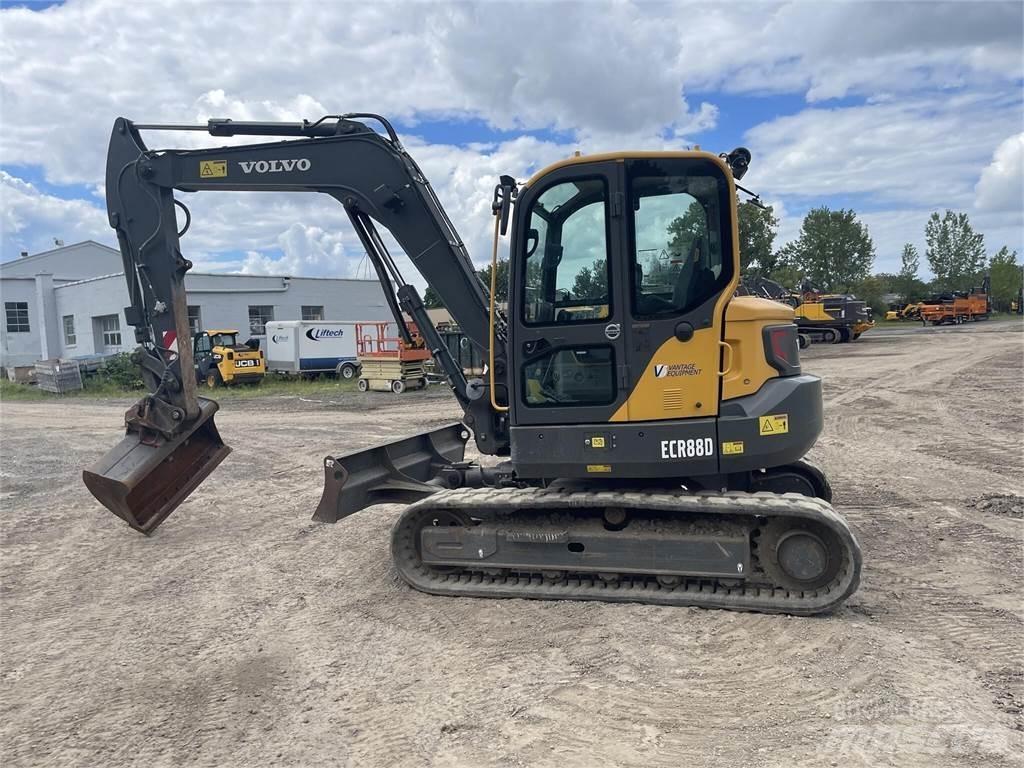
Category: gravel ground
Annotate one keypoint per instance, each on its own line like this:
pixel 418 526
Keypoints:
pixel 244 634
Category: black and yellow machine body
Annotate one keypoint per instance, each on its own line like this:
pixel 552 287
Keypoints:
pixel 654 375
pixel 648 427
pixel 221 361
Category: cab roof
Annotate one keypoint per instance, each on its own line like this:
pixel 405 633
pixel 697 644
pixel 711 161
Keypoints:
pixel 622 156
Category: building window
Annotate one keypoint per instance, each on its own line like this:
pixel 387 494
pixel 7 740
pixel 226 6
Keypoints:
pixel 259 316
pixel 312 312
pixel 110 326
pixel 69 331
pixel 195 321
pixel 17 316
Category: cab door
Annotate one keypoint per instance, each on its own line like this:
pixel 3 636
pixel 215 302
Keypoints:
pixel 568 302
pixel 682 268
pixel 202 351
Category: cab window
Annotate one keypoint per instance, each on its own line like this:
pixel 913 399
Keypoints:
pixel 202 344
pixel 679 259
pixel 223 339
pixel 566 274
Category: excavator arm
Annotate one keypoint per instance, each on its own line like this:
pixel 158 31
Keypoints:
pixel 171 443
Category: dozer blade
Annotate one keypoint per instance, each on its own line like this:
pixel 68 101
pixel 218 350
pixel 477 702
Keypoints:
pixel 147 475
pixel 396 472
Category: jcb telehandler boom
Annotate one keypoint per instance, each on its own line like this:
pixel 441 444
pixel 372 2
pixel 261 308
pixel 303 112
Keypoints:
pixel 655 427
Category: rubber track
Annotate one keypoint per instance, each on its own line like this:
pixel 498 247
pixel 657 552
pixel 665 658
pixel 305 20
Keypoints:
pixel 637 588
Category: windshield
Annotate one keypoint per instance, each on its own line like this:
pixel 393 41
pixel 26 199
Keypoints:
pixel 222 339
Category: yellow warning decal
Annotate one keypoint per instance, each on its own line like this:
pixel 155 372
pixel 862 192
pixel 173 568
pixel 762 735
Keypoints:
pixel 774 425
pixel 213 169
pixel 599 467
pixel 733 448
pixel 597 442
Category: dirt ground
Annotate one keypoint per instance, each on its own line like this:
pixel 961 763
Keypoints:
pixel 244 634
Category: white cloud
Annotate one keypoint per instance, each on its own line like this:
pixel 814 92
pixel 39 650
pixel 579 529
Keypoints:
pixel 30 220
pixel 1001 186
pixel 941 81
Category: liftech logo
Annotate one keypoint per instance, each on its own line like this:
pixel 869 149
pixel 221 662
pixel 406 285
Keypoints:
pixel 315 334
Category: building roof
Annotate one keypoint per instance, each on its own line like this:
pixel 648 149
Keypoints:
pixel 52 251
pixel 42 256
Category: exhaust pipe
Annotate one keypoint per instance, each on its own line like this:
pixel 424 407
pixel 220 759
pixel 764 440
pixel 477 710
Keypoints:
pixel 148 474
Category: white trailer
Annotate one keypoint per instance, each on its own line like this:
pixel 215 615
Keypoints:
pixel 298 347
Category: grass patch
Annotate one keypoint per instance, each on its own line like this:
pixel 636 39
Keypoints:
pixel 94 387
pixel 271 386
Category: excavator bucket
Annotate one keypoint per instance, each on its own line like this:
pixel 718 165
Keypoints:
pixel 147 475
pixel 399 472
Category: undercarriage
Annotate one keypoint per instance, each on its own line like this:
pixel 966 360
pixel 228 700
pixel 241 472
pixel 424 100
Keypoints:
pixel 765 552
pixel 760 541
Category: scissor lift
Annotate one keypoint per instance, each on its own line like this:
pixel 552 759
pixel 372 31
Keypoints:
pixel 388 363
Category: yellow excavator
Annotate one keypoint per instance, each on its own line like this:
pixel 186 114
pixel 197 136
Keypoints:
pixel 649 429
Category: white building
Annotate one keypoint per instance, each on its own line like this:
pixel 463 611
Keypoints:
pixel 69 302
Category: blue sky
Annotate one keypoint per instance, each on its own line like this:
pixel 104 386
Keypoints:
pixel 893 109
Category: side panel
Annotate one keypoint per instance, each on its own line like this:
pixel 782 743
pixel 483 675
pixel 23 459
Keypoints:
pixel 773 427
pixel 320 340
pixel 282 347
pixel 603 450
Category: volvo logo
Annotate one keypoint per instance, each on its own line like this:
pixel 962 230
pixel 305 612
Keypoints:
pixel 274 166
pixel 612 331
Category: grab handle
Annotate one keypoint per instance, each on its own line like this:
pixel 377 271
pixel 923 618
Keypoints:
pixel 728 367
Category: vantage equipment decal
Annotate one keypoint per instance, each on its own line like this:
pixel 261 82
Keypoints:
pixel 662 371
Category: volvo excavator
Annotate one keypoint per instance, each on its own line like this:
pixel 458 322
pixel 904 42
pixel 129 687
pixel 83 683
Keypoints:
pixel 649 429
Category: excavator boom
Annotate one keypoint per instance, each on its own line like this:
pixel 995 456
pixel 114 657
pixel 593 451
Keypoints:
pixel 171 443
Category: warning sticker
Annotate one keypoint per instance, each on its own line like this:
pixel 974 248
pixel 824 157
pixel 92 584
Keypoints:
pixel 213 169
pixel 662 371
pixel 597 442
pixel 599 468
pixel 774 425
pixel 733 448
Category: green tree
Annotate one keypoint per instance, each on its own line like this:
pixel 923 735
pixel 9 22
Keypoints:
pixel 1005 276
pixel 501 285
pixel 591 282
pixel 907 280
pixel 873 289
pixel 431 300
pixel 834 250
pixel 758 227
pixel 683 230
pixel 956 253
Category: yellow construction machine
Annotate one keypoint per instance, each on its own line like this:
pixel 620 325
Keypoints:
pixel 648 429
pixel 221 361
